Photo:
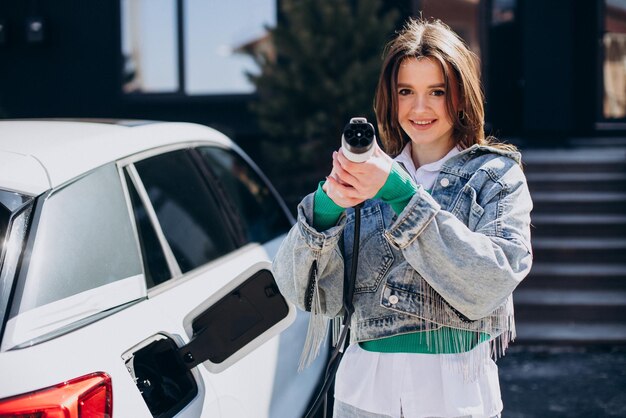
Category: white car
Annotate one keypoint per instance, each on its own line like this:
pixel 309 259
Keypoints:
pixel 135 276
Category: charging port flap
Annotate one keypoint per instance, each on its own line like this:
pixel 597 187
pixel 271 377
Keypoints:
pixel 239 318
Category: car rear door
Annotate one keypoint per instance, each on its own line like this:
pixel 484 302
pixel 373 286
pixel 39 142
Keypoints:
pixel 262 219
pixel 208 225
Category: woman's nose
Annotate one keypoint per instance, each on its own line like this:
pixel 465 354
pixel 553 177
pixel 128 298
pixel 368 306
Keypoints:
pixel 419 103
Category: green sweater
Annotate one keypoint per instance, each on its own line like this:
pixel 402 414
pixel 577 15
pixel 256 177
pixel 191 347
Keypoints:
pixel 397 192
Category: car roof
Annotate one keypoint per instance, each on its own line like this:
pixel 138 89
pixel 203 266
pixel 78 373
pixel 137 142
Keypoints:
pixel 37 155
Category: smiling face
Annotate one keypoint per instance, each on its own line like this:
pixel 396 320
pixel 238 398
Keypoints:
pixel 422 107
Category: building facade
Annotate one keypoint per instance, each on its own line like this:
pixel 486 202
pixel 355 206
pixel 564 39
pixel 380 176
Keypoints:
pixel 552 70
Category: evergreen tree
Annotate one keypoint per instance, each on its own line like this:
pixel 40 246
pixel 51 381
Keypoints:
pixel 328 55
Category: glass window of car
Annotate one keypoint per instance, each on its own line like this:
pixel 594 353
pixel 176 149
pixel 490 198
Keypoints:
pixel 10 202
pixel 190 217
pixel 83 257
pixel 5 216
pixel 260 215
pixel 154 261
pixel 15 210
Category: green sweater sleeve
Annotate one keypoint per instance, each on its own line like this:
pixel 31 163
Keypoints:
pixel 398 189
pixel 397 192
pixel 326 213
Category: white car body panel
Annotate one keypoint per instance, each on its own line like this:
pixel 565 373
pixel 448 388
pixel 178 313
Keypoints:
pixel 69 149
pixel 22 173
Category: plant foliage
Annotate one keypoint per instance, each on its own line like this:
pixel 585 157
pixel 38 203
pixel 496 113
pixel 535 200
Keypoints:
pixel 325 69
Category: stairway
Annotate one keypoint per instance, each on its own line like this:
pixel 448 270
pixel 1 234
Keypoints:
pixel 576 290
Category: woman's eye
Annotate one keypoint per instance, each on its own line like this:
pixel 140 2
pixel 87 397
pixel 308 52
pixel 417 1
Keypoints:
pixel 438 93
pixel 404 92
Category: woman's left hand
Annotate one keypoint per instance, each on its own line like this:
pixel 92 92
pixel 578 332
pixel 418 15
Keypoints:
pixel 365 178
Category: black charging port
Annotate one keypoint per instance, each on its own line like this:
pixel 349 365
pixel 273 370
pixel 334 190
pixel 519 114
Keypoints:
pixel 165 383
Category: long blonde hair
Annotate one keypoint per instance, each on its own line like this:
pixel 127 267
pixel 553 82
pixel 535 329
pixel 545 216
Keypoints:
pixel 434 40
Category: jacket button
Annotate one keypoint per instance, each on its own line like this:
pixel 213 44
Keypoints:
pixel 444 182
pixel 393 299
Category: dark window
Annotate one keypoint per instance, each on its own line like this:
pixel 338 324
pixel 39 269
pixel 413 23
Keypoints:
pixel 190 217
pixel 503 11
pixel 261 217
pixel 154 262
pixel 614 66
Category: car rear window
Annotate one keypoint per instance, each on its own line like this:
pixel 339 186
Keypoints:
pixel 83 257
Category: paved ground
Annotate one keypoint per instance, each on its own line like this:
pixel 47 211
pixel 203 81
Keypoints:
pixel 563 381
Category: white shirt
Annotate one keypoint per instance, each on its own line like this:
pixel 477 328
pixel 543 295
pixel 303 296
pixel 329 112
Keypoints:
pixel 426 174
pixel 417 385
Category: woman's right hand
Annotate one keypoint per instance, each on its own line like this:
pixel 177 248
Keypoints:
pixel 341 193
pixel 351 183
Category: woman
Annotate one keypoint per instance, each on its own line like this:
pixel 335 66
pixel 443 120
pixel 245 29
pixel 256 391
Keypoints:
pixel 445 238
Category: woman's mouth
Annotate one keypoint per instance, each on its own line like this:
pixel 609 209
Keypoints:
pixel 423 124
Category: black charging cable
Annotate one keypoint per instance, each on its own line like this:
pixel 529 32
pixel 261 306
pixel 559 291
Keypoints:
pixel 357 142
pixel 348 308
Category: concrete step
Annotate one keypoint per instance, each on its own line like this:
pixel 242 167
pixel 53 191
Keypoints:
pixel 577 182
pixel 547 332
pixel 574 313
pixel 576 290
pixel 580 250
pixel 585 225
pixel 563 305
pixel 557 166
pixel 576 276
pixel 568 297
pixel 583 160
pixel 579 202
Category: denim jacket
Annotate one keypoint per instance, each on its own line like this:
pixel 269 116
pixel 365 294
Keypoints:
pixel 451 258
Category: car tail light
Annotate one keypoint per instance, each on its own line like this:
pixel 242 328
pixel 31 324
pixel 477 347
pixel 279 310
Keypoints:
pixel 88 396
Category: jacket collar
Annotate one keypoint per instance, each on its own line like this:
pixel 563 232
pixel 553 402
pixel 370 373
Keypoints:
pixel 475 149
